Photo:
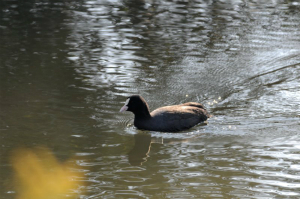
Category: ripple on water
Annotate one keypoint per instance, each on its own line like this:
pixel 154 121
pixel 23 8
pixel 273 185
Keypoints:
pixel 249 167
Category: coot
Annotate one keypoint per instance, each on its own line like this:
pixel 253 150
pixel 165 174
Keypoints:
pixel 165 119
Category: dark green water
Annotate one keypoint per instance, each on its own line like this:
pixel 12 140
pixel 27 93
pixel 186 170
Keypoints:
pixel 66 68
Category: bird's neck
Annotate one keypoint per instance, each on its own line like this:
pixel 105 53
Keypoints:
pixel 144 114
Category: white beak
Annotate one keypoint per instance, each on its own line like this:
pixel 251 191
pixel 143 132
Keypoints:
pixel 124 108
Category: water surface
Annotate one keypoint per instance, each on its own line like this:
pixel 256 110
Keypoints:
pixel 66 68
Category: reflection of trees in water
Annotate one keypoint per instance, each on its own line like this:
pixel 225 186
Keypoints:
pixel 36 89
pixel 134 44
pixel 113 44
pixel 125 46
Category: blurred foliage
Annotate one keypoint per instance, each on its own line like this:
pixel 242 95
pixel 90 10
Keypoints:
pixel 38 175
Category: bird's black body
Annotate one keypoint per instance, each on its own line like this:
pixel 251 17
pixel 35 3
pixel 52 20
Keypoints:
pixel 165 119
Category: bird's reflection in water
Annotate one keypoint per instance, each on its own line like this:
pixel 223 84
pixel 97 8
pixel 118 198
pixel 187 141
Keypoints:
pixel 142 144
pixel 139 153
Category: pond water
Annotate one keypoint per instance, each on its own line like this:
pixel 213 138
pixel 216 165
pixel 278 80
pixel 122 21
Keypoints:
pixel 66 68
